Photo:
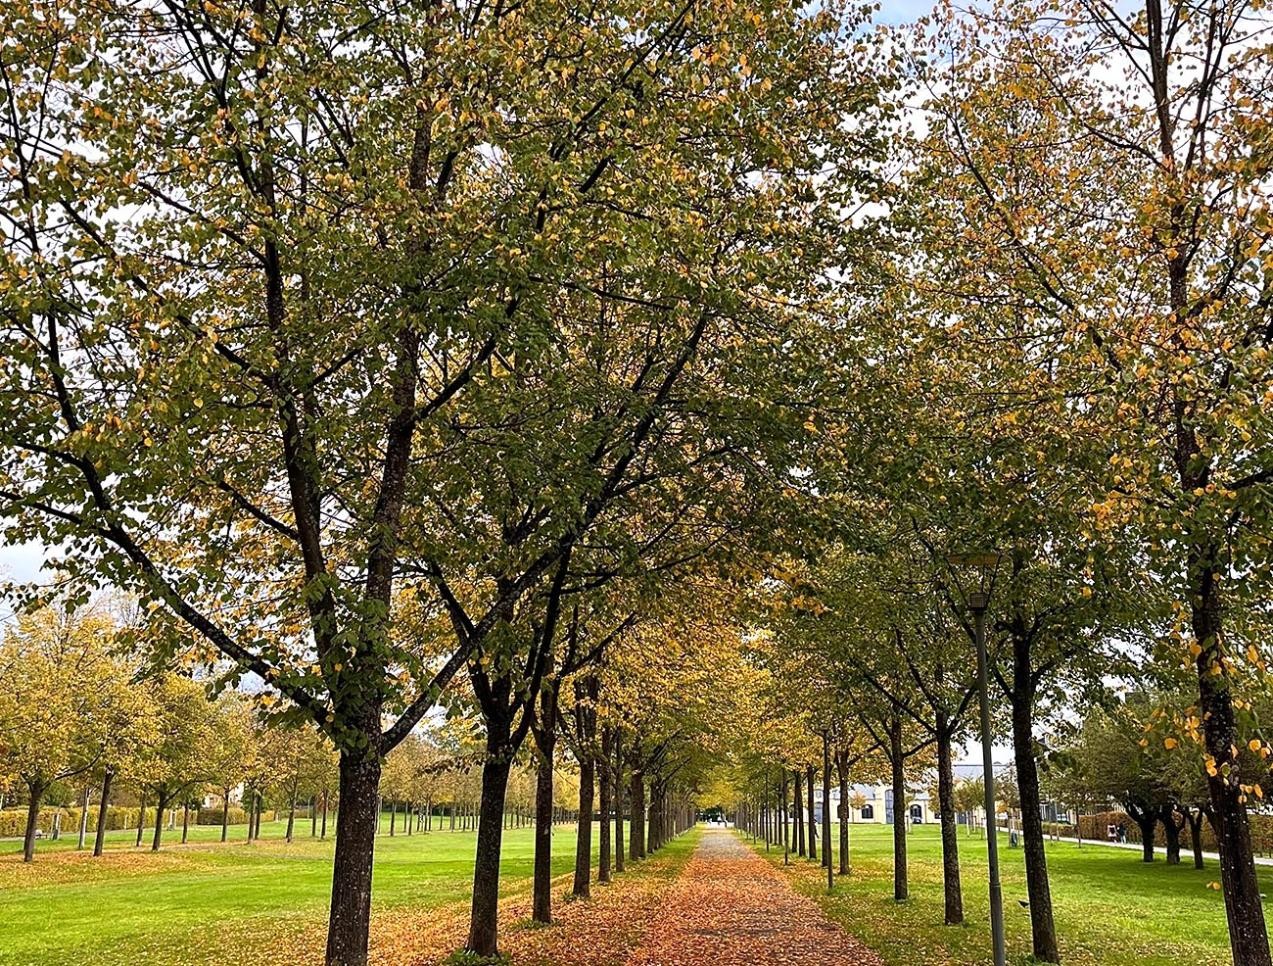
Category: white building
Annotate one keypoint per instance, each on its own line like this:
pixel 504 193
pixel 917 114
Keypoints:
pixel 873 804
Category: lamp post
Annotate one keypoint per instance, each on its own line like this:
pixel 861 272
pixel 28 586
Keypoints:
pixel 983 567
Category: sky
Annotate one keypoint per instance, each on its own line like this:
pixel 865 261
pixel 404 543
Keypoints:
pixel 900 11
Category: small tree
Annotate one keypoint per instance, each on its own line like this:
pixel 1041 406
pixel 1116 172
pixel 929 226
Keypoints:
pixel 63 700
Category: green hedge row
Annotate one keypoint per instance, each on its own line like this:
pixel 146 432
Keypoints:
pixel 13 821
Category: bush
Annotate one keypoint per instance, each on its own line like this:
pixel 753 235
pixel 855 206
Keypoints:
pixel 1097 827
pixel 212 816
pixel 13 821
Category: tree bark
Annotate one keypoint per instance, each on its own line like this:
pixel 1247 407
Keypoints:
pixel 827 860
pixel 141 819
pixel 79 845
pixel 813 825
pixel 350 917
pixel 897 763
pixel 161 803
pixel 842 769
pixel 603 790
pixel 1173 823
pixel 103 812
pixel 542 887
pixel 484 920
pixel 619 803
pixel 1248 936
pixel 291 814
pixel 1038 889
pixel 1147 821
pixel 949 830
pixel 583 840
pixel 799 810
pixel 36 790
pixel 652 826
pixel 185 822
pixel 636 802
pixel 1195 817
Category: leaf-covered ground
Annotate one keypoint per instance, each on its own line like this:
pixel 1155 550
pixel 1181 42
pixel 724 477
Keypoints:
pixel 1111 909
pixel 732 908
pixel 602 931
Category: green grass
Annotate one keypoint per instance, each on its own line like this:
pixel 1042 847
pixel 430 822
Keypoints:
pixel 199 903
pixel 1111 908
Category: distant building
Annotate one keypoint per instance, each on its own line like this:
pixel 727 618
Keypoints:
pixel 876 805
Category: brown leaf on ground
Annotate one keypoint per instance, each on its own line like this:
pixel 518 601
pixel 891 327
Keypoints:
pixel 731 908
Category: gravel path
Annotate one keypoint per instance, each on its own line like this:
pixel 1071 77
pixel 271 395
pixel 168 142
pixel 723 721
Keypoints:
pixel 732 908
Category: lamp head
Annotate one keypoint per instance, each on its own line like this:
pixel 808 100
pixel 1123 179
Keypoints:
pixel 975 575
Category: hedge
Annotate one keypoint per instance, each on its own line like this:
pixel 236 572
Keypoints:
pixel 212 815
pixel 1097 827
pixel 13 821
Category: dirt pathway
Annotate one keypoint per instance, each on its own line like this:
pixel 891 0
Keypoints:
pixel 732 908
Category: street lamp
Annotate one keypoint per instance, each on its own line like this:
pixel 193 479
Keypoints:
pixel 978 572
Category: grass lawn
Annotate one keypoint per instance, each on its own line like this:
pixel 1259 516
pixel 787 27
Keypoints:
pixel 202 902
pixel 1111 908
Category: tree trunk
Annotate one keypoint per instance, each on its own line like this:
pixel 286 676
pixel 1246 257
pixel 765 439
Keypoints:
pixel 350 917
pixel 291 814
pixel 949 831
pixel 1171 832
pixel 185 822
pixel 1248 938
pixel 225 813
pixel 103 812
pixel 161 803
pixel 583 840
pixel 79 845
pixel 897 762
pixel 1195 817
pixel 484 920
pixel 842 770
pixel 636 802
pixel 1147 821
pixel 542 886
pixel 652 826
pixel 323 833
pixel 603 780
pixel 799 810
pixel 141 819
pixel 36 790
pixel 619 803
pixel 1038 889
pixel 813 825
pixel 826 812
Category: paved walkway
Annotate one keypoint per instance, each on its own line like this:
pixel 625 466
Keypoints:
pixel 1186 851
pixel 732 908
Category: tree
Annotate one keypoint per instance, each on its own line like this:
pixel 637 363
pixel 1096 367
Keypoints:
pixel 232 750
pixel 175 758
pixel 342 165
pixel 970 797
pixel 1141 246
pixel 63 702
